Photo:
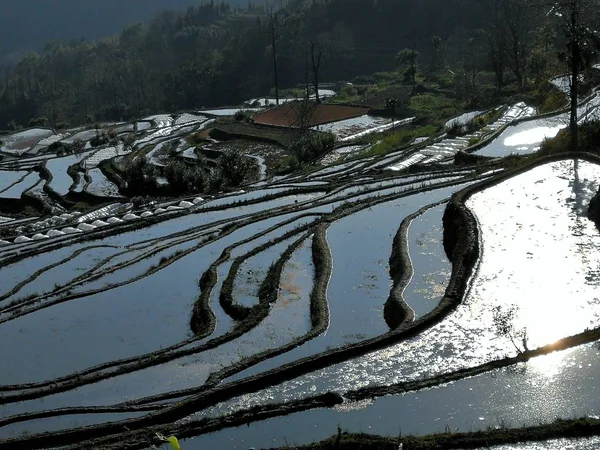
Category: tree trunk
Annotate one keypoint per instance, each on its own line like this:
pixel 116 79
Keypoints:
pixel 575 61
pixel 274 45
pixel 316 65
pixel 307 95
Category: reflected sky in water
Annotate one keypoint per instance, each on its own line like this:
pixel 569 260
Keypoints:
pixel 538 254
pixel 531 136
pixel 539 250
pixel 557 444
pixel 516 396
pixel 524 137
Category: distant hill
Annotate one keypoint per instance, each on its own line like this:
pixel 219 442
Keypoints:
pixel 27 25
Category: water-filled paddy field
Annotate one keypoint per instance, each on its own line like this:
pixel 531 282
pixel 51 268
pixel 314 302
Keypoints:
pixel 304 302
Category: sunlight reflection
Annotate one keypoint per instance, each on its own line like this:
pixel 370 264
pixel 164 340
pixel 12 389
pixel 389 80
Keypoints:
pixel 539 254
pixel 550 365
pixel 532 136
pixel 547 325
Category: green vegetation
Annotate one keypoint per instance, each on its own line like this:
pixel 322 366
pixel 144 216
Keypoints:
pixel 185 178
pixel 233 169
pixel 236 169
pixel 401 137
pixel 310 146
pixel 243 116
pixel 171 441
pixel 435 107
pixel 589 137
pixel 573 428
pixel 473 141
pixel 61 149
pixel 197 138
pixel 38 122
pixel 103 138
pixel 213 54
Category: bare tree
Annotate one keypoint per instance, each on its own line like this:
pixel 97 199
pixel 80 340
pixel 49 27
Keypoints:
pixel 509 35
pixel 504 320
pixel 495 41
pixel 273 23
pixel 316 56
pixel 520 17
pixel 578 20
pixel 437 53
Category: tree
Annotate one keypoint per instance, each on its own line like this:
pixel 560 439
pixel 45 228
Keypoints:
pixel 520 18
pixel 407 60
pixel 504 323
pixel 273 23
pixel 578 20
pixel 437 47
pixel 238 169
pixel 316 57
pixel 509 34
pixel 495 41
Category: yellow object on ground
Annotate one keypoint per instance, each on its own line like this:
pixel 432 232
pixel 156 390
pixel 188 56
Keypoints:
pixel 174 442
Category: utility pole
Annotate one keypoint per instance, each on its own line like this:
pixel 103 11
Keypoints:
pixel 272 25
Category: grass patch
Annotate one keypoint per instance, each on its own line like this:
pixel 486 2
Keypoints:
pixel 474 140
pixel 402 137
pixel 435 107
pixel 573 428
pixel 588 134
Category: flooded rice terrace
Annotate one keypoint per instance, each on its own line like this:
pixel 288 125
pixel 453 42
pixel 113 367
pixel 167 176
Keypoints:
pixel 300 302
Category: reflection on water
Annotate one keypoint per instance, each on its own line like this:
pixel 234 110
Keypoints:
pixel 592 443
pixel 431 268
pixel 537 249
pixel 532 136
pixel 524 137
pixel 527 136
pixel 517 396
pixel 531 260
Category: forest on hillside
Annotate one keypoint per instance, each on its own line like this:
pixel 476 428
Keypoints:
pixel 26 25
pixel 215 54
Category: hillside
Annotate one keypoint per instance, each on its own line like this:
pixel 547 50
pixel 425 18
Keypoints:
pixel 26 25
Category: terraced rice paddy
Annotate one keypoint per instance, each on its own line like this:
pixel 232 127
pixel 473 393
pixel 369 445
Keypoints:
pixel 61 180
pixel 339 296
pixel 20 142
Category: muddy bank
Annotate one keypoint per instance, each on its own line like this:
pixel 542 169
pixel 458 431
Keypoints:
pixel 573 428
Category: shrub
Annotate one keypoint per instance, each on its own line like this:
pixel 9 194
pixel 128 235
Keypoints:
pixel 13 126
pixel 309 146
pixel 243 116
pixel 137 202
pixel 456 129
pixel 589 139
pixel 60 148
pixel 99 139
pixel 140 176
pixel 186 179
pixel 38 122
pixel 128 140
pixel 349 91
pixel 171 148
pixel 237 169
